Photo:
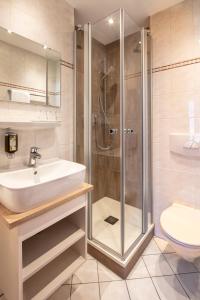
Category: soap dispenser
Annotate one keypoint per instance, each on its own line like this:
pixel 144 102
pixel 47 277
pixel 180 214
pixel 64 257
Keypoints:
pixel 11 142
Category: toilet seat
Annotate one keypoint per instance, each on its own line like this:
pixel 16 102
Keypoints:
pixel 181 224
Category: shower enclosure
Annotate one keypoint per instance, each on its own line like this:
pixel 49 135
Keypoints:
pixel 113 130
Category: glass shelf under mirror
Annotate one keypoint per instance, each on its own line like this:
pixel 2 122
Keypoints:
pixel 30 125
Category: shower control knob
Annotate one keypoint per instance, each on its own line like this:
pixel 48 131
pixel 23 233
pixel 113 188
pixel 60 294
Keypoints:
pixel 113 131
pixel 128 130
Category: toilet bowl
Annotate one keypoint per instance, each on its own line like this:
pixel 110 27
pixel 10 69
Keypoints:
pixel 181 227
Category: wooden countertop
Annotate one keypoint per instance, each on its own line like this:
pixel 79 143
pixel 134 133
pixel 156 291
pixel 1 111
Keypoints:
pixel 13 219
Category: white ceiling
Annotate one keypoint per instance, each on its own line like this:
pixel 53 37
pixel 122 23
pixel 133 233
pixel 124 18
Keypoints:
pixel 139 10
pixel 107 33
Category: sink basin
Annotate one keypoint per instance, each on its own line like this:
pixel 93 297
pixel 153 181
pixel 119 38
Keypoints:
pixel 24 189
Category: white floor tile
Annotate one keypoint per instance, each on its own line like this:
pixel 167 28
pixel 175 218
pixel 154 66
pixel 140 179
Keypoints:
pixel 63 293
pixel 115 290
pixel 139 270
pixel 86 273
pixel 88 291
pixel 157 265
pixel 180 265
pixel 152 248
pixel 106 275
pixel 163 245
pixel 191 284
pixel 169 287
pixel 142 289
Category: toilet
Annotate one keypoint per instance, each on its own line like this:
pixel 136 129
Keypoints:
pixel 181 227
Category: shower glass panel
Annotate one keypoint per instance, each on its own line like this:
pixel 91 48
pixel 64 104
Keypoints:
pixel 133 135
pixel 148 52
pixel 105 135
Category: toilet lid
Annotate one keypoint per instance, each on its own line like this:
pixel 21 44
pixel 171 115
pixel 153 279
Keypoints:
pixel 182 223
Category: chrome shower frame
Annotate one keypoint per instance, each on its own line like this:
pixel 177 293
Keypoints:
pixel 146 124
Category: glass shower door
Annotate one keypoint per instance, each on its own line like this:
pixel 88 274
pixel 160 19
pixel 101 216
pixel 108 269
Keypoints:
pixel 116 135
pixel 133 136
pixel 105 132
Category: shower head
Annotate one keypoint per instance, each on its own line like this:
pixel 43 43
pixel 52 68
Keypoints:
pixel 137 49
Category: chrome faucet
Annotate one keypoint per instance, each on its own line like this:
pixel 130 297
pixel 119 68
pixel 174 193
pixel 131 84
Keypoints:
pixel 34 156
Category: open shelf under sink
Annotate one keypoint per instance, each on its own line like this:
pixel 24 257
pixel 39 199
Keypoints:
pixel 47 245
pixel 45 282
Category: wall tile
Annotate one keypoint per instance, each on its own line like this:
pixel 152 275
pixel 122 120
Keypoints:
pixel 161 30
pixel 196 14
pixel 183 79
pixel 162 82
pixel 182 31
pixel 5 13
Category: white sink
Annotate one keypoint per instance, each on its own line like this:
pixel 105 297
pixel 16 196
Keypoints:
pixel 22 190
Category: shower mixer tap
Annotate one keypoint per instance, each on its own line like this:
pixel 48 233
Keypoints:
pixel 113 131
pixel 128 131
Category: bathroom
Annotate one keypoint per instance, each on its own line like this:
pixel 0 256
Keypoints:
pixel 100 150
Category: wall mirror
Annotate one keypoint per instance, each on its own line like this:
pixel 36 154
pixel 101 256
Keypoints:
pixel 29 72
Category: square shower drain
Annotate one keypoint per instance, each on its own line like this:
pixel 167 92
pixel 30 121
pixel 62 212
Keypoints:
pixel 111 220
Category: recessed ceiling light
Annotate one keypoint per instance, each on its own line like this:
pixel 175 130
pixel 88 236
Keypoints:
pixel 140 42
pixel 9 31
pixel 110 21
pixel 45 47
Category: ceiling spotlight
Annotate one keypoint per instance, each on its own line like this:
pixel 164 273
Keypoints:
pixel 110 21
pixel 9 31
pixel 45 47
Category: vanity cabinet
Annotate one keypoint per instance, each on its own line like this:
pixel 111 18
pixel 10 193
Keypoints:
pixel 41 248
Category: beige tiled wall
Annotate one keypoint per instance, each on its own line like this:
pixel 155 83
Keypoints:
pixel 176 38
pixel 47 22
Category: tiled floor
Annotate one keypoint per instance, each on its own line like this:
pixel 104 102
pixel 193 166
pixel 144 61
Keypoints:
pixel 159 275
